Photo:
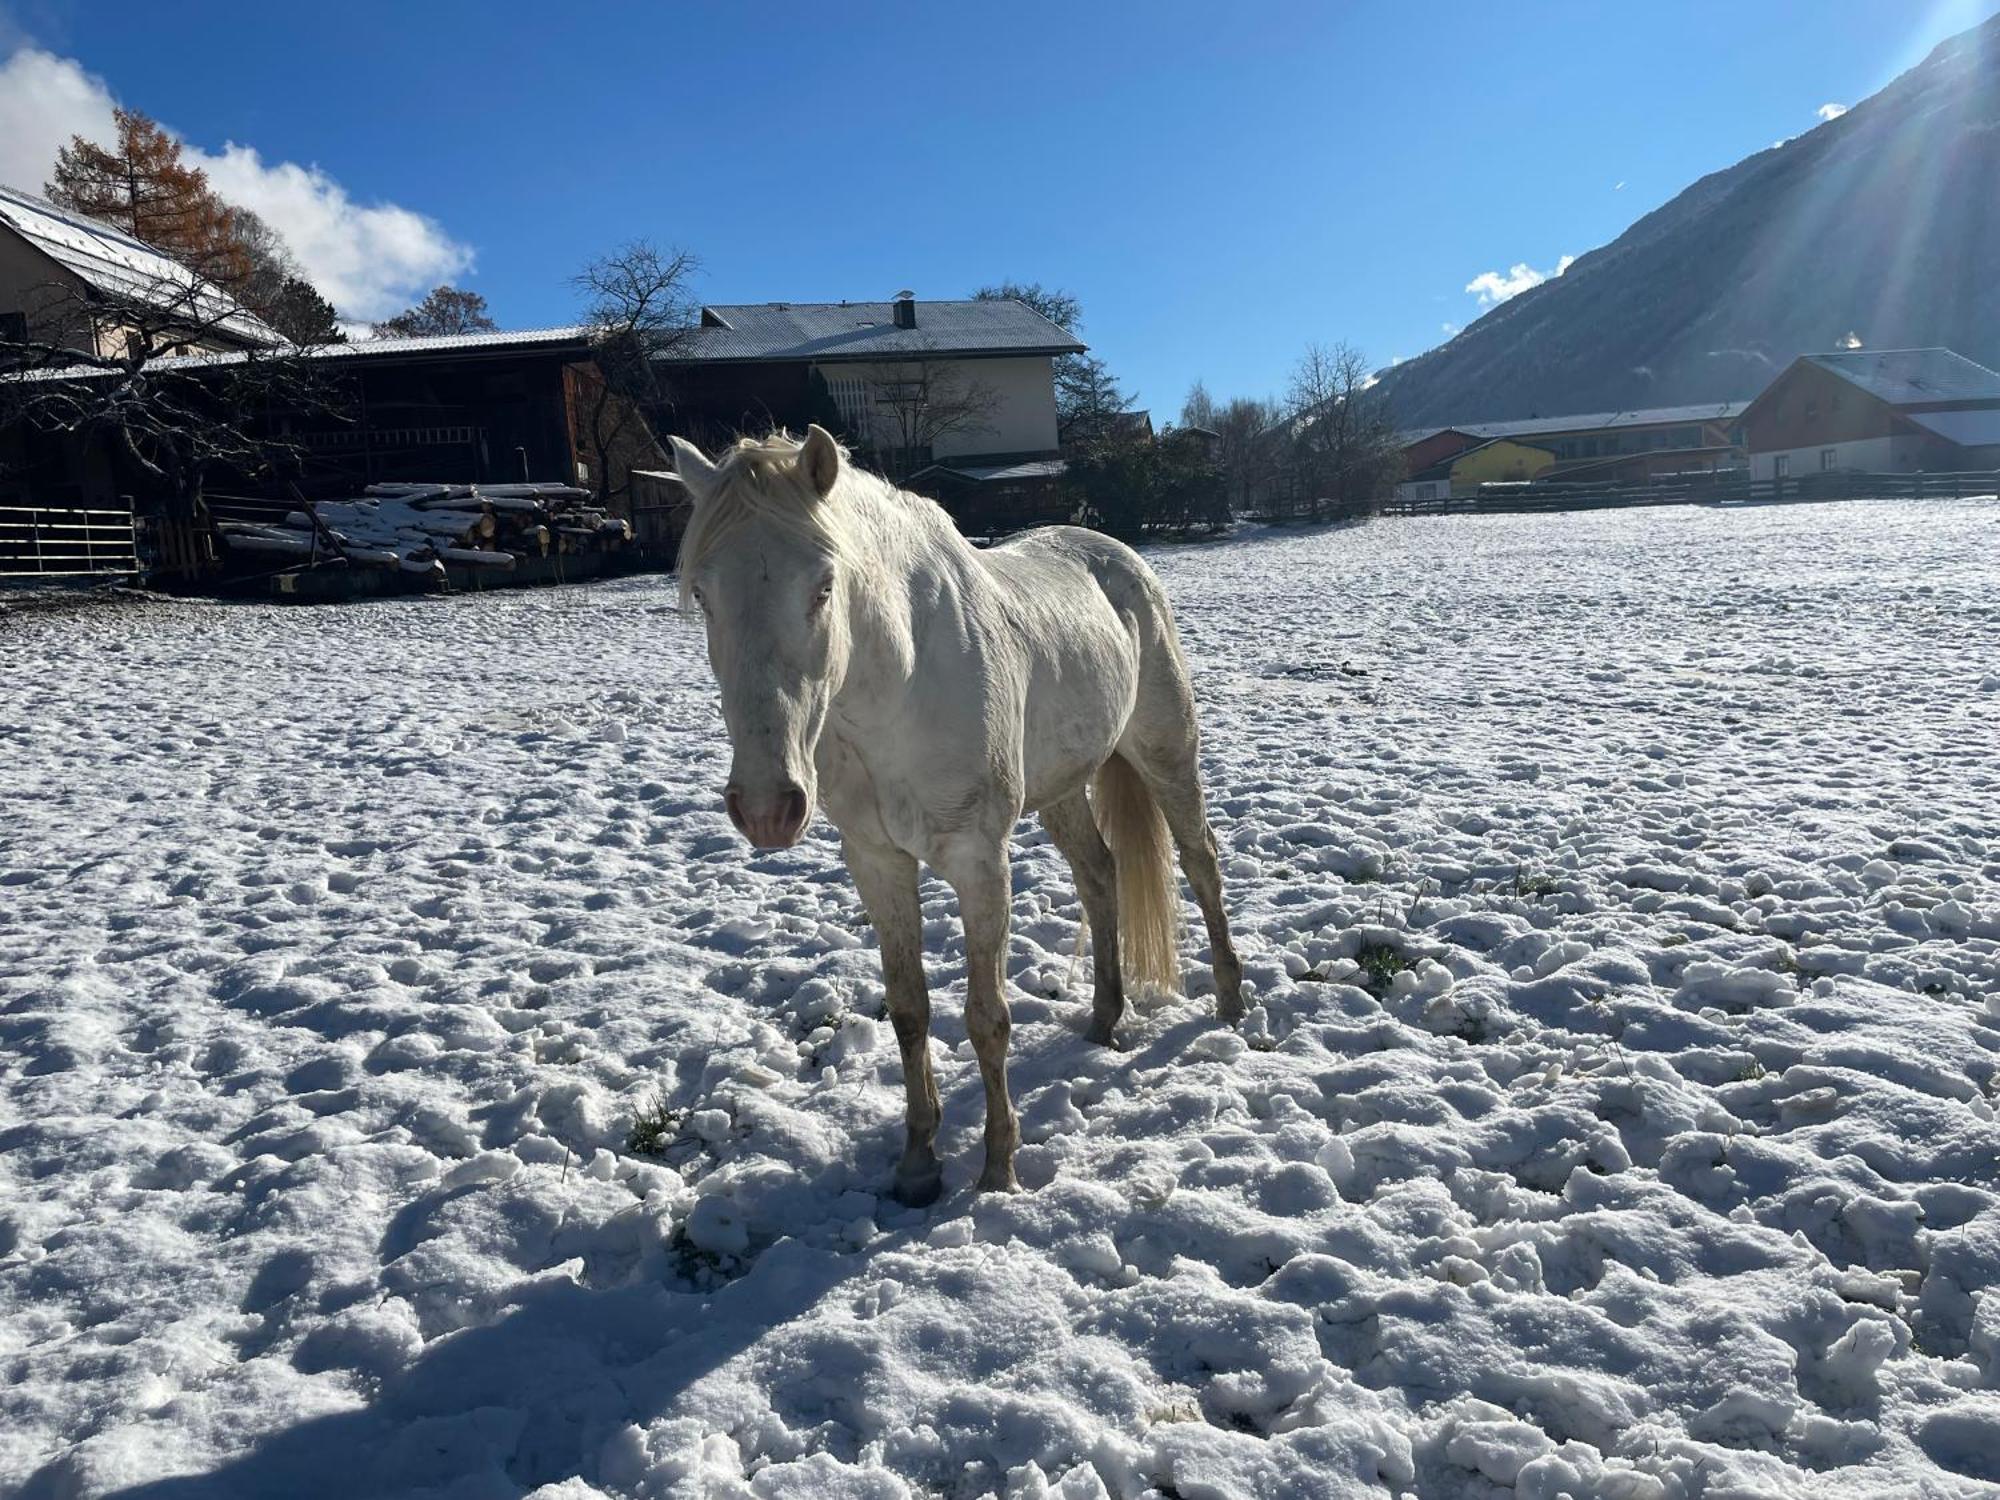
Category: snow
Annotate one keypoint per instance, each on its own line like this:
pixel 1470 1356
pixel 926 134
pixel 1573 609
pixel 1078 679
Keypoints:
pixel 1621 897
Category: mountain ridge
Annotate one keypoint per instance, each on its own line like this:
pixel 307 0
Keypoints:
pixel 1882 224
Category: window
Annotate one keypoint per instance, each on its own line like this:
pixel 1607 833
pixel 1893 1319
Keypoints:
pixel 1827 457
pixel 1781 466
pixel 850 397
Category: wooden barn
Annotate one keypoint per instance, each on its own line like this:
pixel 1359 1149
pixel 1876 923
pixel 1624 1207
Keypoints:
pixel 482 408
pixel 1876 411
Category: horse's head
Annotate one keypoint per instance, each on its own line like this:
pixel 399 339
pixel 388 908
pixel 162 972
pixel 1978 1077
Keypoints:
pixel 762 558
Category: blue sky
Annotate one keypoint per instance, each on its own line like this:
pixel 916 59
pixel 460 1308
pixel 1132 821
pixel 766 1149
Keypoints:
pixel 1220 186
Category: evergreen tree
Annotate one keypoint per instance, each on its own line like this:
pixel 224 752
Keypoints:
pixel 302 315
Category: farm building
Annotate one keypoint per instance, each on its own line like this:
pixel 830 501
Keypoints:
pixel 1878 411
pixel 1614 446
pixel 63 275
pixel 481 408
pixel 1494 461
pixel 957 398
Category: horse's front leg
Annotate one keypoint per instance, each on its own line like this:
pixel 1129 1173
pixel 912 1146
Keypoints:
pixel 977 870
pixel 887 881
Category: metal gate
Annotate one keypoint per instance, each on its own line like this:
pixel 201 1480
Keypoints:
pixel 64 541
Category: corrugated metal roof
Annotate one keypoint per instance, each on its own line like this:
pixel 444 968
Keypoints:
pixel 437 343
pixel 115 263
pixel 1040 468
pixel 578 333
pixel 1656 416
pixel 1911 377
pixel 1978 428
pixel 831 331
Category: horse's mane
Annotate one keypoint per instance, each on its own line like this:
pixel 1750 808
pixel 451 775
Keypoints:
pixel 760 477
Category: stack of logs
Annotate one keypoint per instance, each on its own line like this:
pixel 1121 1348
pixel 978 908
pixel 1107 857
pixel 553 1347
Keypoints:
pixel 422 528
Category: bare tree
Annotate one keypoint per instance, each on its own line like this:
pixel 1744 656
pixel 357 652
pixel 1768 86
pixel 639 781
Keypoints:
pixel 1061 308
pixel 444 310
pixel 1199 409
pixel 639 310
pixel 125 369
pixel 1342 454
pixel 923 400
pixel 1245 424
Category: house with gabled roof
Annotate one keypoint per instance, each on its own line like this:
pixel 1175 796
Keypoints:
pixel 1875 411
pixel 956 397
pixel 65 276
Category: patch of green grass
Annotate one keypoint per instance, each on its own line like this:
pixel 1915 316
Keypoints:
pixel 656 1128
pixel 1536 884
pixel 1380 964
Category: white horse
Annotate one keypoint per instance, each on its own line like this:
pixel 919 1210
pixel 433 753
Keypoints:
pixel 926 694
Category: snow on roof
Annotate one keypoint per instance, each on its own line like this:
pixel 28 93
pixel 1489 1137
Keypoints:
pixel 499 340
pixel 114 262
pixel 1910 377
pixel 1969 429
pixel 830 331
pixel 1039 468
pixel 427 343
pixel 1655 416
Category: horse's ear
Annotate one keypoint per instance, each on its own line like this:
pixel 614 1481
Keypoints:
pixel 696 473
pixel 819 460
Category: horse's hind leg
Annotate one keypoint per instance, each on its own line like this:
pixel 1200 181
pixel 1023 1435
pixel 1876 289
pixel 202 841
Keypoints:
pixel 1176 786
pixel 887 881
pixel 1163 743
pixel 1074 830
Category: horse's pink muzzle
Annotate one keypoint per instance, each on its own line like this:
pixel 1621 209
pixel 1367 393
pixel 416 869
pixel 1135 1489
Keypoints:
pixel 775 822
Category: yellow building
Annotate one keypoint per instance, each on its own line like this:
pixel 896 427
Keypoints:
pixel 1496 461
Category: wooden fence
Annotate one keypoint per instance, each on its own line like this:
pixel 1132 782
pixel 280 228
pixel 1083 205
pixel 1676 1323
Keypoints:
pixel 65 541
pixel 1729 487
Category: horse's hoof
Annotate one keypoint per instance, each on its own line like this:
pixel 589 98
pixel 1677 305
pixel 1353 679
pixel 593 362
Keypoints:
pixel 1099 1033
pixel 1229 1009
pixel 1002 1181
pixel 918 1192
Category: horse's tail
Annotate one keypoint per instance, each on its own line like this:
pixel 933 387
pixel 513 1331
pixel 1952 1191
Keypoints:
pixel 1149 907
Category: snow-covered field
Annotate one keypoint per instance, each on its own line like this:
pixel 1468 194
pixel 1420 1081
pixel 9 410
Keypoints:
pixel 1650 1150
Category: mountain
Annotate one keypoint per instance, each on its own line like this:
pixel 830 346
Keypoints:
pixel 1883 225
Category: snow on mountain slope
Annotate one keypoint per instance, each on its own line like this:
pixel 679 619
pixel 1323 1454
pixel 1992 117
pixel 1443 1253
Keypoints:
pixel 1622 899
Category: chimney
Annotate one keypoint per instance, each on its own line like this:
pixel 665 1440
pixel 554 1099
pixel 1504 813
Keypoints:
pixel 905 307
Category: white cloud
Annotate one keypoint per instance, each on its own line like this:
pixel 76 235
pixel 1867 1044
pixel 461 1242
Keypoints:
pixel 1448 329
pixel 44 100
pixel 1618 187
pixel 1831 111
pixel 1495 287
pixel 369 260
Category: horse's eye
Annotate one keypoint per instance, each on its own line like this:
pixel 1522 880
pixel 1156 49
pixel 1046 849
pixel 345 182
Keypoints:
pixel 821 595
pixel 700 602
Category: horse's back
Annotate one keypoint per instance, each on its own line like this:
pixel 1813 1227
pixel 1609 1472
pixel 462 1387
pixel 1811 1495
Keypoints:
pixel 1045 554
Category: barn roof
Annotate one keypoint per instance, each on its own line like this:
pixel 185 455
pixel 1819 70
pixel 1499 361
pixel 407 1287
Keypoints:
pixel 568 339
pixel 114 263
pixel 1039 468
pixel 1912 377
pixel 1596 421
pixel 825 332
pixel 1978 428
